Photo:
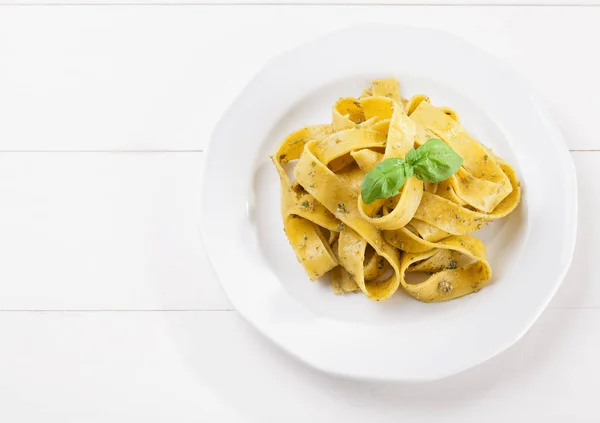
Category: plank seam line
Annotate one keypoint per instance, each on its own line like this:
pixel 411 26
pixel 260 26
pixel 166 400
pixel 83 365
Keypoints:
pixel 183 310
pixel 103 151
pixel 296 4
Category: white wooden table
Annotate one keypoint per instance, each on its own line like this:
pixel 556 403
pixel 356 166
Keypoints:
pixel 110 311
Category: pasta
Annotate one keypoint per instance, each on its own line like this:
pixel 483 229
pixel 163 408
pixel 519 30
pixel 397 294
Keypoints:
pixel 425 227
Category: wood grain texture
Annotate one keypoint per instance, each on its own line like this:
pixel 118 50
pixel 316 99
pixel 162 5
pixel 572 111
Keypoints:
pixel 159 78
pixel 200 366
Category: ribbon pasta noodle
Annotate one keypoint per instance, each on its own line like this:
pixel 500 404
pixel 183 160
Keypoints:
pixel 426 227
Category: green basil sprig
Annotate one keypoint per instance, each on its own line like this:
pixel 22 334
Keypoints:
pixel 434 161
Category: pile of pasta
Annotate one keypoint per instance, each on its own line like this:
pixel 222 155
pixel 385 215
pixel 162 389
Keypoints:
pixel 424 228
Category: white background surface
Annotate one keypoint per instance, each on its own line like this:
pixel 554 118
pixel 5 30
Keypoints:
pixel 109 309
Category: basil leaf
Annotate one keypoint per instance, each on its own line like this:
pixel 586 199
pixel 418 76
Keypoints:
pixel 432 162
pixel 385 179
pixel 435 161
pixel 411 157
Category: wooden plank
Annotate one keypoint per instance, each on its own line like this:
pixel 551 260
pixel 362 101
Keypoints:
pixel 119 231
pixel 211 366
pixel 159 78
pixel 103 231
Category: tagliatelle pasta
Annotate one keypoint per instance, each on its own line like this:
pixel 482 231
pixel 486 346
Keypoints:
pixel 424 228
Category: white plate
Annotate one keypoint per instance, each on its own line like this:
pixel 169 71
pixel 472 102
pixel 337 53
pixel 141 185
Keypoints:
pixel 398 339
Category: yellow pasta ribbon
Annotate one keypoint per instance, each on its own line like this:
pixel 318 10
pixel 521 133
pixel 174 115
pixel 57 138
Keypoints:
pixel 372 248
